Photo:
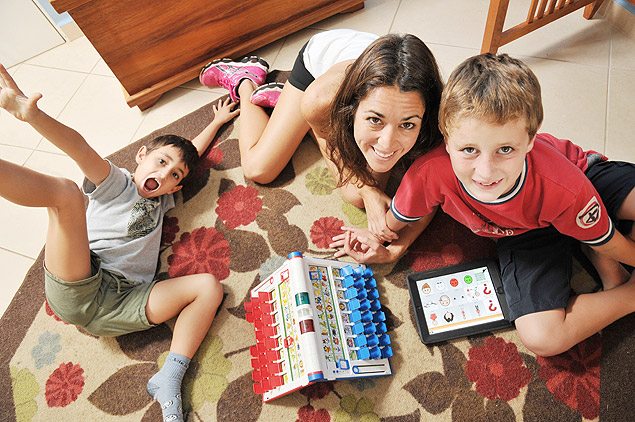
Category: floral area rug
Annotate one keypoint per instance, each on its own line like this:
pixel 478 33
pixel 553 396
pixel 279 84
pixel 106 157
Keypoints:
pixel 241 232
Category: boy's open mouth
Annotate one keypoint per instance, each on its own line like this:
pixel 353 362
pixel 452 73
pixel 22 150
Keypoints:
pixel 151 184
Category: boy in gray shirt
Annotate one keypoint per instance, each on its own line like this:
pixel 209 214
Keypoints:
pixel 100 262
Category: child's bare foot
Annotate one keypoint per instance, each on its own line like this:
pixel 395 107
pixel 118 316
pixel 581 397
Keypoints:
pixel 611 272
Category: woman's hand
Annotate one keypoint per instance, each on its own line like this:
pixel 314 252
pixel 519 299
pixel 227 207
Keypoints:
pixel 377 204
pixel 360 245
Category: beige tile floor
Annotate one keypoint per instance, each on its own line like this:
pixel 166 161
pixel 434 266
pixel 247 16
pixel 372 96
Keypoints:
pixel 587 71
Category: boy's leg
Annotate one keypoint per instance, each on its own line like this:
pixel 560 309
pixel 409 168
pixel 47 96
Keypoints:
pixel 615 182
pixel 627 212
pixel 549 333
pixel 267 144
pixel 67 254
pixel 536 274
pixel 195 299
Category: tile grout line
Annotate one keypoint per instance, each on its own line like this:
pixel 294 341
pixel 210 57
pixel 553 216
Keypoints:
pixel 43 139
pixel 609 72
pixel 395 17
pixel 18 253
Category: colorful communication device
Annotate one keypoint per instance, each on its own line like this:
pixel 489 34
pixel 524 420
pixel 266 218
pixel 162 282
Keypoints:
pixel 316 320
pixel 459 300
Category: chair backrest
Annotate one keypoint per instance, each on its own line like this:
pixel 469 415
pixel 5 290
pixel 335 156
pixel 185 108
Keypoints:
pixel 540 13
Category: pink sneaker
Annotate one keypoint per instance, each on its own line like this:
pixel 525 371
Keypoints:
pixel 267 95
pixel 228 74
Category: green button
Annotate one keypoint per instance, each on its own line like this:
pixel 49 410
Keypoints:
pixel 302 299
pixel 468 279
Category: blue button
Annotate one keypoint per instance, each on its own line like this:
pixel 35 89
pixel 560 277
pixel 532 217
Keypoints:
pixel 373 340
pixel 379 317
pixel 371 283
pixel 358 328
pixel 356 316
pixel 346 270
pixel 386 352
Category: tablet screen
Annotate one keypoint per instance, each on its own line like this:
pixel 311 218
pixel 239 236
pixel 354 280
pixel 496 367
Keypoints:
pixel 458 300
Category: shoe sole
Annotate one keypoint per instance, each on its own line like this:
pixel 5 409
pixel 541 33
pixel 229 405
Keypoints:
pixel 252 59
pixel 272 86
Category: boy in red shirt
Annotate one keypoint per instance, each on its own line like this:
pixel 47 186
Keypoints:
pixel 539 196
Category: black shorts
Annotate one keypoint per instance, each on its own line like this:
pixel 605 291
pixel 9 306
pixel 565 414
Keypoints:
pixel 536 266
pixel 613 180
pixel 300 76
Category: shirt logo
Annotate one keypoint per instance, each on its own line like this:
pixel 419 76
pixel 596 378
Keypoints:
pixel 590 214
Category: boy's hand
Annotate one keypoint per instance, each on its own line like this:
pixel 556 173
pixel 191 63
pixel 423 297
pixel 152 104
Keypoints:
pixel 377 204
pixel 360 245
pixel 13 99
pixel 223 111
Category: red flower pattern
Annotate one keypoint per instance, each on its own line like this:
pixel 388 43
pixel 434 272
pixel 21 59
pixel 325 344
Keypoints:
pixel 205 250
pixel 574 376
pixel 318 390
pixel 497 368
pixel 239 206
pixel 49 312
pixel 447 242
pixel 170 230
pixel 324 229
pixel 64 385
pixel 308 414
pixel 214 156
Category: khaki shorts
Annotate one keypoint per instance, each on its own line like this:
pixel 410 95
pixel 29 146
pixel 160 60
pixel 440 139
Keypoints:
pixel 104 304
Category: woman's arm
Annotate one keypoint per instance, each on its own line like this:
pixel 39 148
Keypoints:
pixel 360 245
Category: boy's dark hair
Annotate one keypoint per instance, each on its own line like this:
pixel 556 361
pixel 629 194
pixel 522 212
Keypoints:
pixel 189 153
pixel 402 61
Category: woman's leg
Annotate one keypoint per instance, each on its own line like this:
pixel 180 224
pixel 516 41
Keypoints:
pixel 267 144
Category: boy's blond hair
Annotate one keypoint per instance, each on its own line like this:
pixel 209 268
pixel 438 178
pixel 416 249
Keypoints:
pixel 494 88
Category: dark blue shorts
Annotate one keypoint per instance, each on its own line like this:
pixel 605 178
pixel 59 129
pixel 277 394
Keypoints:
pixel 536 266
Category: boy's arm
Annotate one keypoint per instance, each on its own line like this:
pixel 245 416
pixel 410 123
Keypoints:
pixel 395 225
pixel 222 114
pixel 620 248
pixel 68 140
pixel 360 245
pixel 376 204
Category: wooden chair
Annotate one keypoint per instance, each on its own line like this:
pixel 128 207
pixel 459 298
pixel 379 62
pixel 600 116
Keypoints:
pixel 541 12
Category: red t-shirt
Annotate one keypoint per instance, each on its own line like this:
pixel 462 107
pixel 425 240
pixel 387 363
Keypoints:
pixel 552 190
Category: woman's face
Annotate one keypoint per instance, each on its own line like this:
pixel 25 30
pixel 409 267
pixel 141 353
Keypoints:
pixel 386 125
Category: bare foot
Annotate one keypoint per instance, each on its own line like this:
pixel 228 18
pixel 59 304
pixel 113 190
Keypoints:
pixel 611 272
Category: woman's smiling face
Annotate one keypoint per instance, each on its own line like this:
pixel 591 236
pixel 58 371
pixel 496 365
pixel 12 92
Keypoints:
pixel 386 125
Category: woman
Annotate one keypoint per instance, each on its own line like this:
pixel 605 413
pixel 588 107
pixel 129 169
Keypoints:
pixel 370 102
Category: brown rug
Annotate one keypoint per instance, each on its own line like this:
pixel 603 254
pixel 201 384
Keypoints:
pixel 241 232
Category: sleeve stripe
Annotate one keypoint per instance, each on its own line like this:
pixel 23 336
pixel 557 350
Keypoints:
pixel 602 239
pixel 400 216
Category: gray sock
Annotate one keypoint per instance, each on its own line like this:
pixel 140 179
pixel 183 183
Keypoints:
pixel 165 387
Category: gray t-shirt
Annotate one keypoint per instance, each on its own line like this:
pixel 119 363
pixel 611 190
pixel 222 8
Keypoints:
pixel 124 229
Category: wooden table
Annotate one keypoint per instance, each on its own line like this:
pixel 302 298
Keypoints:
pixel 153 46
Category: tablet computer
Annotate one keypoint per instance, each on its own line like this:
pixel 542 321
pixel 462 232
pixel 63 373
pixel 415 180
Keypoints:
pixel 459 300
